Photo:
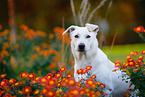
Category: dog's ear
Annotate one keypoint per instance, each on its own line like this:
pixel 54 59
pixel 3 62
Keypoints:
pixel 69 29
pixel 92 28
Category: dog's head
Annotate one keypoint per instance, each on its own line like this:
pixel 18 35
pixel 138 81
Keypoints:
pixel 82 38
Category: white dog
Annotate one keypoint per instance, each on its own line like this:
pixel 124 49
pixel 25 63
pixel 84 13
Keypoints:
pixel 84 46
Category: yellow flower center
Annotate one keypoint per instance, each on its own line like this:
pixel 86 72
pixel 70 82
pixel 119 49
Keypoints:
pixel 75 92
pixel 2 83
pixel 90 82
pixel 50 93
pixel 51 82
pixel 43 80
pixel 27 90
pixel 71 82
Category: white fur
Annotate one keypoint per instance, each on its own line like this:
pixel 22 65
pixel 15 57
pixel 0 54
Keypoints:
pixel 101 66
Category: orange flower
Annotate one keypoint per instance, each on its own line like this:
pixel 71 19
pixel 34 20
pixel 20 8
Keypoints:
pixel 34 57
pixel 5 32
pixel 62 69
pixel 24 27
pixel 4 53
pixel 27 90
pixel 139 29
pixel 37 48
pixel 51 36
pixel 6 45
pixel 24 75
pixel 16 46
pixel 56 59
pixel 31 76
pixel 41 33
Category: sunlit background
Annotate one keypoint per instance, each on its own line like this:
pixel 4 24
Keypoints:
pixel 120 17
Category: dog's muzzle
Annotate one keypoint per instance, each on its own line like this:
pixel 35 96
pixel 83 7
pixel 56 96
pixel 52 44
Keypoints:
pixel 81 47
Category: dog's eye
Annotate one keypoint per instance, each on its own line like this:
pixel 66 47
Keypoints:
pixel 76 36
pixel 88 36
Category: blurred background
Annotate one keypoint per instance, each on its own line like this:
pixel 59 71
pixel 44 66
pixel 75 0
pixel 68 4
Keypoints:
pixel 120 17
pixel 31 31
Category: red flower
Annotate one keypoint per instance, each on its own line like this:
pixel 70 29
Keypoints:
pixel 71 82
pixel 80 71
pixel 50 93
pixel 89 82
pixel 139 29
pixel 88 67
pixel 68 75
pixel 24 75
pixel 58 75
pixel 133 53
pixel 74 92
pixel 7 95
pixel 93 76
pixel 11 81
pixel 17 84
pixel 143 52
pixel 1 92
pixel 43 80
pixel 27 90
pixel 51 83
pixel 49 75
pixel 102 85
pixel 62 69
pixel 36 92
pixel 34 81
pixel 117 63
pixel 31 76
pixel 3 82
pixel 3 75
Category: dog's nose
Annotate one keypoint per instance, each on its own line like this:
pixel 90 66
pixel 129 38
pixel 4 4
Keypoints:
pixel 81 47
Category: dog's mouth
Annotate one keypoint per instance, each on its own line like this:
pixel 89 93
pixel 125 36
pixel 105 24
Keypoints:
pixel 81 50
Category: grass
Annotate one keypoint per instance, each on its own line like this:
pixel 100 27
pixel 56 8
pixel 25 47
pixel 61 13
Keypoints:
pixel 119 52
